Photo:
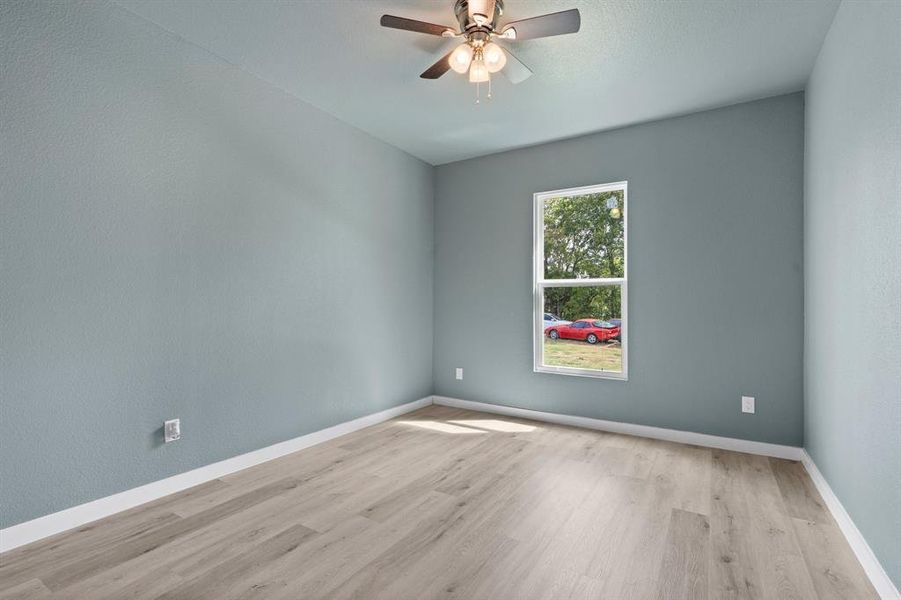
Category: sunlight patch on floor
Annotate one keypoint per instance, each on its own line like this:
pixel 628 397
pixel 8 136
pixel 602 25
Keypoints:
pixel 495 425
pixel 442 427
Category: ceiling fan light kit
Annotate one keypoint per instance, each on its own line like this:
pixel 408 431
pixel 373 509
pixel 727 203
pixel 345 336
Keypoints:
pixel 480 55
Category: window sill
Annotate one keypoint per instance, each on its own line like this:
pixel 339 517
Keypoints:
pixel 589 373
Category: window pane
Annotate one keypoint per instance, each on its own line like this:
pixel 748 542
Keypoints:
pixel 583 236
pixel 590 336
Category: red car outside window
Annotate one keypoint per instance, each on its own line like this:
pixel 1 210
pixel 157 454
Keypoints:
pixel 585 330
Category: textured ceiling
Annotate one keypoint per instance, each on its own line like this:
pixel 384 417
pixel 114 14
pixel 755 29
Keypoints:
pixel 633 61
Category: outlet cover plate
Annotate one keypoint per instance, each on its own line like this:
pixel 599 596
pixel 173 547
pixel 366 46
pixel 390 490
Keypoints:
pixel 172 430
pixel 747 404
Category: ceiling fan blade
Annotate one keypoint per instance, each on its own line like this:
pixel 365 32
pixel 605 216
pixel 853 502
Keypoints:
pixel 567 21
pixel 515 70
pixel 439 68
pixel 413 25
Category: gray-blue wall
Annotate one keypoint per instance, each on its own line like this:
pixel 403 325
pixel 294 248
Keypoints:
pixel 715 290
pixel 852 218
pixel 181 239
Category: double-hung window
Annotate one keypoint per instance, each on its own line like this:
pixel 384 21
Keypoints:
pixel 580 281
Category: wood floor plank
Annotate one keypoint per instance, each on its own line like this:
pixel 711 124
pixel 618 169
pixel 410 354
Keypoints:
pixel 34 560
pixel 150 540
pixel 548 491
pixel 339 563
pixel 728 497
pixel 450 503
pixel 554 561
pixel 783 572
pixel 683 573
pixel 687 471
pixel 626 462
pixel 586 588
pixel 450 475
pixel 733 571
pixel 31 589
pixel 536 566
pixel 446 573
pixel 637 545
pixel 620 535
pixel 734 567
pixel 588 529
pixel 422 552
pixel 196 551
pixel 801 498
pixel 300 464
pixel 833 567
pixel 129 585
pixel 231 578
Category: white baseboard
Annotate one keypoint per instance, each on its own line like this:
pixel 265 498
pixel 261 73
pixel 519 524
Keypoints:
pixel 658 433
pixel 871 565
pixel 36 529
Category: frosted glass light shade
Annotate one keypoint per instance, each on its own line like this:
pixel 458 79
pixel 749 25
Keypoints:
pixel 494 56
pixel 478 72
pixel 460 58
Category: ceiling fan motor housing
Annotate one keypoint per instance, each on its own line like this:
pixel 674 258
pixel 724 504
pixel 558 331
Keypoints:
pixel 478 14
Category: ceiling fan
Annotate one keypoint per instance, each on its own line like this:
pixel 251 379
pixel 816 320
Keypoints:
pixel 479 54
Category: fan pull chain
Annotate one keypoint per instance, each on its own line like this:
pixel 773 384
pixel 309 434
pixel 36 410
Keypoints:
pixel 479 91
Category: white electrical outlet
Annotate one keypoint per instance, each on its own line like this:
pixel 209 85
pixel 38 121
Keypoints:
pixel 459 372
pixel 172 430
pixel 747 404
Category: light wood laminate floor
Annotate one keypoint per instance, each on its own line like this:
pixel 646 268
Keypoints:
pixel 446 503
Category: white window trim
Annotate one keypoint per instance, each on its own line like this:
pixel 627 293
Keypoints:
pixel 539 282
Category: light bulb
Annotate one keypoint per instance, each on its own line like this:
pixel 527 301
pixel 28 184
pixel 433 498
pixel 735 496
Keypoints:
pixel 494 56
pixel 478 73
pixel 460 58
